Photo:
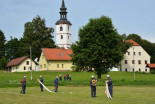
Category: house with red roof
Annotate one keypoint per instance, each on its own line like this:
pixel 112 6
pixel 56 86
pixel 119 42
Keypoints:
pixel 53 59
pixel 22 64
pixel 135 59
pixel 151 67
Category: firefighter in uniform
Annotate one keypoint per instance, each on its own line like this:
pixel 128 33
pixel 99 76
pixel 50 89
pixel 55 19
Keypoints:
pixel 110 86
pixel 93 86
pixel 23 85
pixel 56 84
pixel 41 86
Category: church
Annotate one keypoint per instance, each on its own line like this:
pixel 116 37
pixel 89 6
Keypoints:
pixel 53 59
pixel 63 29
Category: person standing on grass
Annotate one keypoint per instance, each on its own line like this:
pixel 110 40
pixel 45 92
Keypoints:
pixel 41 86
pixel 60 78
pixel 23 85
pixel 64 77
pixel 93 86
pixel 70 77
pixel 56 84
pixel 110 86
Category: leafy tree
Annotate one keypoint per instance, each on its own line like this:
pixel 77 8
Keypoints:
pixel 2 44
pixel 3 63
pixel 38 36
pixel 12 49
pixel 147 45
pixel 134 37
pixel 98 48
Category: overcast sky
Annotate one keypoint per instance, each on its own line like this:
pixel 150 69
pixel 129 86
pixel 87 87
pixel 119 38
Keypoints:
pixel 128 16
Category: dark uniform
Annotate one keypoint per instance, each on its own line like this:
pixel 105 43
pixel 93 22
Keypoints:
pixel 56 84
pixel 23 85
pixel 110 86
pixel 93 87
pixel 60 78
pixel 41 86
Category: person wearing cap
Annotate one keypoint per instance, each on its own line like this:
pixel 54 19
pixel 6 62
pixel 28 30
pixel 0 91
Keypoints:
pixel 93 86
pixel 23 85
pixel 110 86
pixel 56 84
pixel 41 86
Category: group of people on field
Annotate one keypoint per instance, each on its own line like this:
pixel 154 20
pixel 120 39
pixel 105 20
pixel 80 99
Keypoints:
pixel 66 77
pixel 23 81
pixel 93 82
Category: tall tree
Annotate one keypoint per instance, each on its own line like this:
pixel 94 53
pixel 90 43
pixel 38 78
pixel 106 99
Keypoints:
pixel 12 49
pixel 3 63
pixel 2 44
pixel 98 48
pixel 38 36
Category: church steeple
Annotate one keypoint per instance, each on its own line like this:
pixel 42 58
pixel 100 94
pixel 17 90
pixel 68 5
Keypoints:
pixel 63 29
pixel 63 4
pixel 63 15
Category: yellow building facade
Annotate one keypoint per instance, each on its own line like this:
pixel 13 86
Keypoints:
pixel 55 60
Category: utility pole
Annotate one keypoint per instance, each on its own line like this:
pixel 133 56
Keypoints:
pixel 31 61
pixel 133 64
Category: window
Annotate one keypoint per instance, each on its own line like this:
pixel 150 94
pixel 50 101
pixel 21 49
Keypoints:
pixel 44 65
pixel 128 53
pixel 61 36
pixel 60 54
pixel 134 53
pixel 41 66
pixel 139 70
pixel 24 68
pixel 133 70
pixel 139 61
pixel 57 65
pixel 27 62
pixel 145 61
pixel 126 62
pixel 68 28
pixel 139 53
pixel 61 28
pixel 62 65
pixel 133 61
pixel 126 69
pixel 30 68
pixel 42 56
pixel 68 37
pixel 146 70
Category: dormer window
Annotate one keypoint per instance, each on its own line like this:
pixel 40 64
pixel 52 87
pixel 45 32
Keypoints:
pixel 61 28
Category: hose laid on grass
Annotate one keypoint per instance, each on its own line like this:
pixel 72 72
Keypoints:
pixel 45 87
pixel 107 92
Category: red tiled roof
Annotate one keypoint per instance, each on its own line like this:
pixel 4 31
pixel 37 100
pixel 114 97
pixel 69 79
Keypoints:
pixel 16 61
pixel 57 54
pixel 133 42
pixel 151 65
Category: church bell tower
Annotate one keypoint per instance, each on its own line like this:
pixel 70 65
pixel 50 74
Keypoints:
pixel 63 29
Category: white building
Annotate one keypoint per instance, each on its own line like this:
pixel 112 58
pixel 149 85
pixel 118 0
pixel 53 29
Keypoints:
pixel 63 29
pixel 135 59
pixel 22 64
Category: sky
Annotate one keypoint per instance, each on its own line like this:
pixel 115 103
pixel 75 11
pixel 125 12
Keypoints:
pixel 128 16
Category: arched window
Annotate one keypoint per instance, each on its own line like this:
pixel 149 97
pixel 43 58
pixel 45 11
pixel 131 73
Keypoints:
pixel 61 28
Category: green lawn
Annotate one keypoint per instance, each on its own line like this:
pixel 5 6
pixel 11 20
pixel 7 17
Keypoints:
pixel 78 78
pixel 79 95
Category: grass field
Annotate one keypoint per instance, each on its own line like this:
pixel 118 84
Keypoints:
pixel 79 95
pixel 78 78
